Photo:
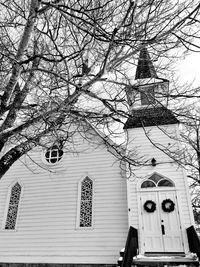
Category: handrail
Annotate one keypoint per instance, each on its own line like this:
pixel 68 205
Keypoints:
pixel 131 248
pixel 193 240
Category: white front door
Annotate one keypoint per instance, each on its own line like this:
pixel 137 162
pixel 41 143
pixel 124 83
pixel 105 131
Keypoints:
pixel 160 230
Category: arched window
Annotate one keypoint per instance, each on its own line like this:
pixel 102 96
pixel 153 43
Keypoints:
pixel 156 180
pixel 13 207
pixel 86 203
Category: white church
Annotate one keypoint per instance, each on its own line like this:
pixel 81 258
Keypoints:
pixel 82 209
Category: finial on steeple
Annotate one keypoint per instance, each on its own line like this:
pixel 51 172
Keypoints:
pixel 145 68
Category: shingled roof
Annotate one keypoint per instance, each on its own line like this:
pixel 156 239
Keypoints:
pixel 145 68
pixel 154 116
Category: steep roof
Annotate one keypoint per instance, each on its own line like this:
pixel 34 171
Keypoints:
pixel 154 116
pixel 145 68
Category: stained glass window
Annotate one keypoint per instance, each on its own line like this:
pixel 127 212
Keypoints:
pixel 13 207
pixel 86 203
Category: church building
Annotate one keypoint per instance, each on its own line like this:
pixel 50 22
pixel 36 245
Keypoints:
pixel 75 205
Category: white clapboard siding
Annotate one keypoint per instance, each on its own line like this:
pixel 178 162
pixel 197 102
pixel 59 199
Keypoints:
pixel 47 220
pixel 139 142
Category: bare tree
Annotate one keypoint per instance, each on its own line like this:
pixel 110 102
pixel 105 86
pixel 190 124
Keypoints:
pixel 190 156
pixel 67 61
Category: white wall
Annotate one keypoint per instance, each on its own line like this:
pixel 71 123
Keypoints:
pixel 142 146
pixel 46 227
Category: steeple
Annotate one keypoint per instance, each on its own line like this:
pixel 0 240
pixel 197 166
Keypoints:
pixel 147 89
pixel 145 68
pixel 147 97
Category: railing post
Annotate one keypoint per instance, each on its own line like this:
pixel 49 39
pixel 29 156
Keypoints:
pixel 131 248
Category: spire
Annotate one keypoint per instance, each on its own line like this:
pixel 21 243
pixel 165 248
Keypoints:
pixel 145 68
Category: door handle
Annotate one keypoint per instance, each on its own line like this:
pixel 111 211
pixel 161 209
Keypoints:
pixel 163 229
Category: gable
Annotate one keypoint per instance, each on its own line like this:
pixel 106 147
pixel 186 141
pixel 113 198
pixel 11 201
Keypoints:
pixel 50 205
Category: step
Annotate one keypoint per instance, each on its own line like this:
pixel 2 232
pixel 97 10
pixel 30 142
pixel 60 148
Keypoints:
pixel 167 254
pixel 164 260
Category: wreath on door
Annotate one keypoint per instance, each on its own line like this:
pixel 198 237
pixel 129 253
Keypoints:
pixel 150 206
pixel 168 205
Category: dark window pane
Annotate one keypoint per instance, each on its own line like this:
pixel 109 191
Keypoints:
pixel 54 153
pixel 60 152
pixel 47 154
pixel 165 182
pixel 155 178
pixel 53 160
pixel 148 183
pixel 147 96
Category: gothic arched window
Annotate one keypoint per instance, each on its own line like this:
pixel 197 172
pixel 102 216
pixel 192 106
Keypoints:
pixel 86 203
pixel 156 180
pixel 13 207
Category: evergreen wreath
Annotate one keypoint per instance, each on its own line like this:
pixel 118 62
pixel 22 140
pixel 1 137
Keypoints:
pixel 168 205
pixel 150 206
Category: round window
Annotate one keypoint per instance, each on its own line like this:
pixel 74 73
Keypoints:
pixel 53 154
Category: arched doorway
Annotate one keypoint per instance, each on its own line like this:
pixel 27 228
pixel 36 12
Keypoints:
pixel 160 229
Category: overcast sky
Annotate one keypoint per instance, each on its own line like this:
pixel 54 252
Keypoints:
pixel 189 69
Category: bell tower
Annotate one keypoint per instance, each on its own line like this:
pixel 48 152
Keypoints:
pixel 148 91
pixel 152 137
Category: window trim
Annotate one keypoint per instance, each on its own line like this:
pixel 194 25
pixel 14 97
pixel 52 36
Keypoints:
pixel 78 227
pixel 7 202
